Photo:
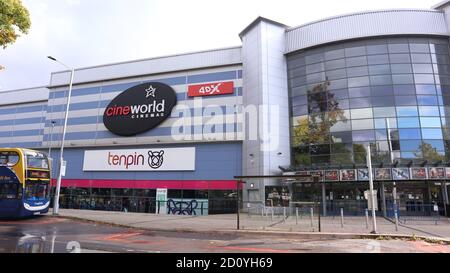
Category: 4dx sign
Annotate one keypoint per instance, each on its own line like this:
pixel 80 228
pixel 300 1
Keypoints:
pixel 210 89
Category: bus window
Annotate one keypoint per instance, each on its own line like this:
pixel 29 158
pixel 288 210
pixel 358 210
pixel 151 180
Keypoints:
pixel 36 191
pixel 37 160
pixel 8 159
pixel 8 191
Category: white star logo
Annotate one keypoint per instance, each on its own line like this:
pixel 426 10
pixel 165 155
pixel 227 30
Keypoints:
pixel 150 91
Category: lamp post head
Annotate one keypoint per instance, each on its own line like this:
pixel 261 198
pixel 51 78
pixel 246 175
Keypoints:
pixel 51 58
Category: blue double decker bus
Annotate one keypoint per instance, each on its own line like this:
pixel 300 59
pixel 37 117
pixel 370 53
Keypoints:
pixel 24 183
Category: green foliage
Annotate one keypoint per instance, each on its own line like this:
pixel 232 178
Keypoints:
pixel 14 18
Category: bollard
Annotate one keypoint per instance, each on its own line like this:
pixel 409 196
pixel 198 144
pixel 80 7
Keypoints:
pixel 296 216
pixel 312 215
pixel 248 212
pixel 271 215
pixel 342 217
pixel 284 212
pixel 262 211
pixel 396 220
pixel 367 218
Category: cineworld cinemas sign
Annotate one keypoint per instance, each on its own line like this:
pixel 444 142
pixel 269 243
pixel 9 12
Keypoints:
pixel 151 159
pixel 139 108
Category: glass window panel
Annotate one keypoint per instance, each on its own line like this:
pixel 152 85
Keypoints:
pixel 336 74
pixel 300 110
pixel 315 78
pixel 356 61
pixel 338 84
pixel 409 133
pixel 298 61
pixel 422 68
pixel 357 92
pixel 386 90
pixel 402 79
pixel 334 54
pixel 429 111
pixel 432 133
pixel 430 122
pixel 341 148
pixel 405 100
pixel 383 101
pixel 340 63
pixel 408 123
pixel 357 71
pixel 441 69
pixel 426 89
pixel 301 90
pixel 366 135
pixel 398 48
pixel 440 100
pixel 406 111
pixel 401 68
pixel 404 89
pixel 411 155
pixel 340 137
pixel 314 68
pixel 435 144
pixel 355 51
pixel 383 123
pixel 361 113
pixel 338 94
pixel 342 104
pixel 298 81
pixel 427 100
pixel 381 134
pixel 341 126
pixel 380 69
pixel 399 58
pixel 439 49
pixel 297 72
pixel 410 145
pixel 315 58
pixel 322 159
pixel 362 124
pixel 360 103
pixel 382 146
pixel 299 100
pixel 424 78
pixel 322 149
pixel 376 49
pixel 419 48
pixel 440 59
pixel 384 112
pixel 358 81
pixel 420 58
pixel 378 59
pixel 381 80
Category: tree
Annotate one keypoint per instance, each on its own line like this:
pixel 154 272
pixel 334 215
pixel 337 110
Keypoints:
pixel 14 19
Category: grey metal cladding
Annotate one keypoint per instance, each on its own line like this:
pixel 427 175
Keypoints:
pixel 179 62
pixel 366 24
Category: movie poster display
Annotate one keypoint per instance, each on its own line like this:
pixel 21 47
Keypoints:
pixel 363 174
pixel 419 173
pixel 400 173
pixel 317 173
pixel 331 175
pixel 436 173
pixel 382 174
pixel 348 175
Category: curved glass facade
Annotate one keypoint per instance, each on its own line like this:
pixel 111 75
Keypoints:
pixel 393 93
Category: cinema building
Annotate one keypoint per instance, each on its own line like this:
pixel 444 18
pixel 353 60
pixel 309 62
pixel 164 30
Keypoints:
pixel 289 100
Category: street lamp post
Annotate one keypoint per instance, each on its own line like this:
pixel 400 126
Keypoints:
pixel 61 160
pixel 372 197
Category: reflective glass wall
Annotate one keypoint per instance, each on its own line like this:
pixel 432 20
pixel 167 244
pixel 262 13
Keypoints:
pixel 393 93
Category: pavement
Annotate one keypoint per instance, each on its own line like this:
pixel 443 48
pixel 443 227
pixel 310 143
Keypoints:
pixel 331 227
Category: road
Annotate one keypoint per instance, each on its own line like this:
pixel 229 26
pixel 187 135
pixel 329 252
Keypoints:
pixel 53 234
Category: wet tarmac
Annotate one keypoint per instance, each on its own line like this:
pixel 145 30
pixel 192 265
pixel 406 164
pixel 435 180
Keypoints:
pixel 47 234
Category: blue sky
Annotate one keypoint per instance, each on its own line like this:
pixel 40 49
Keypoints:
pixel 92 32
